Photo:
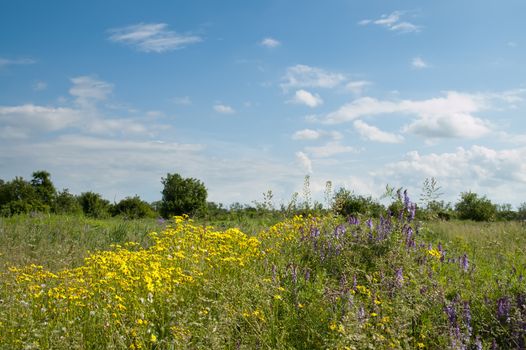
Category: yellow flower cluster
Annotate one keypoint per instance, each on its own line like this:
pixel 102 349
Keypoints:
pixel 119 282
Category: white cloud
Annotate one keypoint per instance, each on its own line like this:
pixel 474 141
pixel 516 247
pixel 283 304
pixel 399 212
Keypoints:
pixel 89 90
pixel 357 87
pixel 306 134
pixel 309 134
pixel 270 42
pixel 419 63
pixel 448 116
pixel 372 133
pixel 224 109
pixel 329 149
pixel 303 76
pixel 40 85
pixel 304 161
pixel 152 37
pixel 393 22
pixel 501 173
pixel 306 98
pixel 4 62
pixel 38 118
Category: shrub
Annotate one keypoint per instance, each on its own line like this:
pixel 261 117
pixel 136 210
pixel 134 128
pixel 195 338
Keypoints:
pixel 473 207
pixel 346 203
pixel 66 203
pixel 93 205
pixel 133 208
pixel 182 195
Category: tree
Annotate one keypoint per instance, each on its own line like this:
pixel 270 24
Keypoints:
pixel 133 208
pixel 44 188
pixel 473 207
pixel 347 203
pixel 93 205
pixel 18 196
pixel 66 203
pixel 182 195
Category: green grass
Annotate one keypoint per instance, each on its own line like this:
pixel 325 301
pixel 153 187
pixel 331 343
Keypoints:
pixel 308 287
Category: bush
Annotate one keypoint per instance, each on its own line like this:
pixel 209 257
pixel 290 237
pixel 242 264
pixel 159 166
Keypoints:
pixel 346 203
pixel 93 205
pixel 473 207
pixel 182 195
pixel 66 203
pixel 133 208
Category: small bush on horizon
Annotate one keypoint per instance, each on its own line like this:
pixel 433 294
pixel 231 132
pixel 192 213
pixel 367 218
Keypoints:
pixel 472 207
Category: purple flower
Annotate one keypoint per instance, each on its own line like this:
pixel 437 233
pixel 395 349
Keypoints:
pixel 353 220
pixel 503 308
pixel 407 201
pixel 412 212
pixel 307 274
pixel 451 314
pixel 399 277
pixel 467 318
pixel 370 224
pixel 464 262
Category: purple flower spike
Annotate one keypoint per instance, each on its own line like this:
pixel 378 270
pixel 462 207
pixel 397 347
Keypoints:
pixel 451 314
pixel 407 201
pixel 467 318
pixel 464 262
pixel 353 220
pixel 503 308
pixel 399 277
pixel 370 224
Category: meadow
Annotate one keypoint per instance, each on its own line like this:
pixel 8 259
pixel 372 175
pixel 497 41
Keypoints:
pixel 303 282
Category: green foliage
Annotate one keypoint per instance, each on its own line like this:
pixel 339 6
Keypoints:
pixel 66 203
pixel 346 203
pixel 521 212
pixel 182 195
pixel 18 197
pixel 473 207
pixel 44 188
pixel 133 208
pixel 93 205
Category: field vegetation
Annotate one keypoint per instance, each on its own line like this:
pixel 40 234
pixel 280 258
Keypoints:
pixel 353 274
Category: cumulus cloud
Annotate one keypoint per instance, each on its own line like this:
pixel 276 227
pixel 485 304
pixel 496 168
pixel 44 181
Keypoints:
pixel 306 98
pixel 40 86
pixel 152 37
pixel 500 172
pixel 88 90
pixel 357 87
pixel 31 117
pixel 304 161
pixel 309 134
pixel 4 62
pixel 372 133
pixel 224 109
pixel 270 42
pixel 419 63
pixel 449 116
pixel 303 76
pixel 183 100
pixel 393 22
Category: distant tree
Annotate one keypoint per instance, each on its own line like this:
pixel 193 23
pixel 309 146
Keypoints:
pixel 93 205
pixel 347 203
pixel 133 208
pixel 472 207
pixel 521 212
pixel 182 195
pixel 505 212
pixel 44 187
pixel 66 203
pixel 19 196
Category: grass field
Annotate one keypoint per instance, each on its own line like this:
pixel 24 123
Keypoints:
pixel 303 283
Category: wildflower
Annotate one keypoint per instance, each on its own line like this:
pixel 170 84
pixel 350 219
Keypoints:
pixel 399 277
pixel 464 263
pixel 503 308
pixel 153 338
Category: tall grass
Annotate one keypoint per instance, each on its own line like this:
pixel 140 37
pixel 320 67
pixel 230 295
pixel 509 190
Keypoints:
pixel 304 283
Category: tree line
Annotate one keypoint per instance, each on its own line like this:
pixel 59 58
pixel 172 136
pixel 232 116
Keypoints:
pixel 189 196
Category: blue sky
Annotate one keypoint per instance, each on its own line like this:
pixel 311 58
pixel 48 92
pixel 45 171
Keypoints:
pixel 249 96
